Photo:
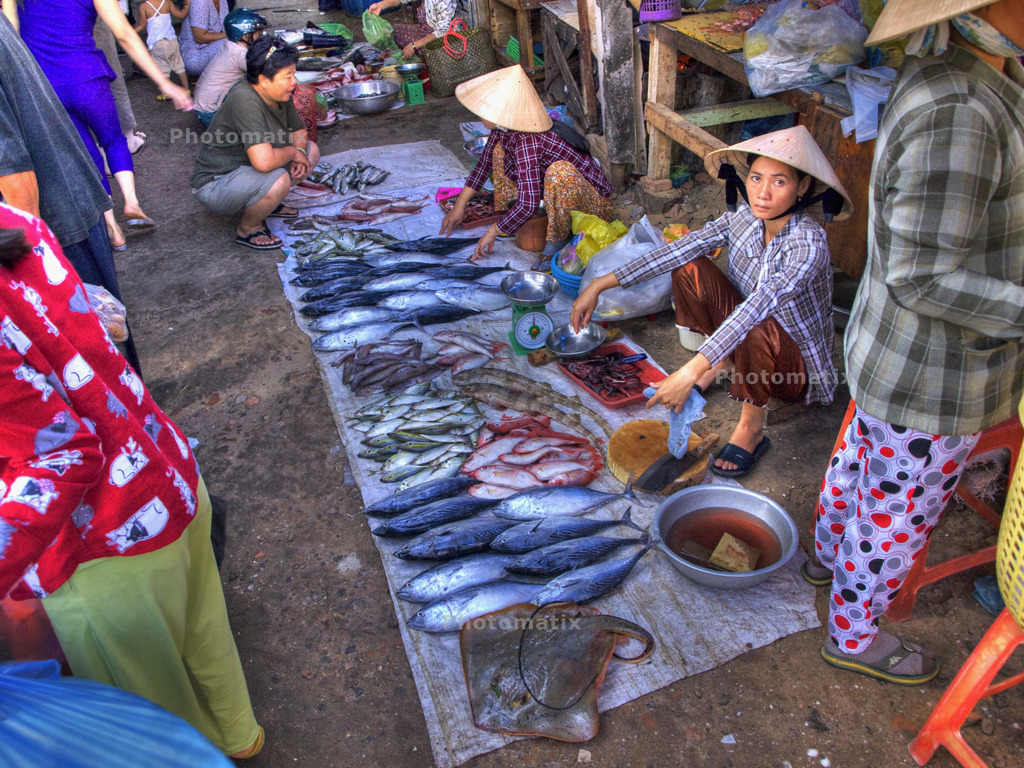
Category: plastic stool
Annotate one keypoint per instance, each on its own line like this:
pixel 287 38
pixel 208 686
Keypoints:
pixel 971 684
pixel 1007 434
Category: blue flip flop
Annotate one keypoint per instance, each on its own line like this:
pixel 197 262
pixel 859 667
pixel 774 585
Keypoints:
pixel 743 459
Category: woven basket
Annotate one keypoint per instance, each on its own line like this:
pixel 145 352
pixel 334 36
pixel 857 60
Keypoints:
pixel 570 283
pixel 447 72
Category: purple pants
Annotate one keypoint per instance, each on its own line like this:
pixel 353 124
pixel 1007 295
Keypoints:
pixel 92 110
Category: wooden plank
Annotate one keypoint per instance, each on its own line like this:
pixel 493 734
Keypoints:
pixel 524 28
pixel 614 25
pixel 586 65
pixel 736 111
pixel 560 41
pixel 661 90
pixel 682 131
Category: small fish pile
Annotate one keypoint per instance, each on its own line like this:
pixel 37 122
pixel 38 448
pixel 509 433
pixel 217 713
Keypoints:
pixel 419 434
pixel 480 206
pixel 344 178
pixel 326 239
pixel 507 390
pixel 606 374
pixel 378 209
pixel 518 453
pixel 463 351
pixel 384 366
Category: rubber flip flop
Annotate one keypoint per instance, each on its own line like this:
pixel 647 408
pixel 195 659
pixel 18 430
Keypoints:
pixel 880 669
pixel 813 579
pixel 248 241
pixel 119 248
pixel 743 459
pixel 142 138
pixel 139 225
pixel 279 213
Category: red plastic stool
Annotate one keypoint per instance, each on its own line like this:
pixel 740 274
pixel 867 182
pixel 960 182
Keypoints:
pixel 971 684
pixel 1007 434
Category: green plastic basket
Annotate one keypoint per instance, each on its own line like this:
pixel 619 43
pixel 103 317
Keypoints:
pixel 339 30
pixel 512 50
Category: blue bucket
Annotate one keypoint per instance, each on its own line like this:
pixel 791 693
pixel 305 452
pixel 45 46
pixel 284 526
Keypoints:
pixel 570 284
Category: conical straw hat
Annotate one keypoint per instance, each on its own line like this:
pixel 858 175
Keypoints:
pixel 792 146
pixel 507 98
pixel 902 17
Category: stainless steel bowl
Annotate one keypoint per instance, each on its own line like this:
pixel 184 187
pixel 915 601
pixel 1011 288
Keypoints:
pixel 699 497
pixel 529 289
pixel 367 98
pixel 569 345
pixel 475 147
pixel 412 68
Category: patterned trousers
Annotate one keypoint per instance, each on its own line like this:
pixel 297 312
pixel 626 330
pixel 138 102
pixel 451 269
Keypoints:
pixel 883 494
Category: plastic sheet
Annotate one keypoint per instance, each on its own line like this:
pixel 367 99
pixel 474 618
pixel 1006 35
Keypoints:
pixel 48 720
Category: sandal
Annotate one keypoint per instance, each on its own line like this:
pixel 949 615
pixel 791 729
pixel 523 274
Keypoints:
pixel 743 459
pixel 815 573
pixel 248 240
pixel 136 142
pixel 281 213
pixel 143 224
pixel 899 662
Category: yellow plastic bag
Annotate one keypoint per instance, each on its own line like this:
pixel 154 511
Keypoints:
pixel 599 233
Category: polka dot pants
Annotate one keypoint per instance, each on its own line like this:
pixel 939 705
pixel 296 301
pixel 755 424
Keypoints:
pixel 883 493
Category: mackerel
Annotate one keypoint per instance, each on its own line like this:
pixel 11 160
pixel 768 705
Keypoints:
pixel 449 613
pixel 433 514
pixel 446 542
pixel 354 335
pixel 568 555
pixel 552 530
pixel 447 578
pixel 556 501
pixel 589 583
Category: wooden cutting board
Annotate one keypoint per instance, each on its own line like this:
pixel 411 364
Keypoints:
pixel 634 447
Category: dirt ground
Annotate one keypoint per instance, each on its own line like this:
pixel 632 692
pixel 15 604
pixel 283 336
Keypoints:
pixel 308 599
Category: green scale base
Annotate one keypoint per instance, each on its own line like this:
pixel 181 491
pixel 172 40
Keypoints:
pixel 412 92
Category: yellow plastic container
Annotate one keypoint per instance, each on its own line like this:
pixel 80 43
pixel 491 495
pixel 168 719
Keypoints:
pixel 1010 548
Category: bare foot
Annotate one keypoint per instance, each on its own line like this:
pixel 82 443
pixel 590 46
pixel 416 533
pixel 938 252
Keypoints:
pixel 115 234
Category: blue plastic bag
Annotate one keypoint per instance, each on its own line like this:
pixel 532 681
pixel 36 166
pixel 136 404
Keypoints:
pixel 67 722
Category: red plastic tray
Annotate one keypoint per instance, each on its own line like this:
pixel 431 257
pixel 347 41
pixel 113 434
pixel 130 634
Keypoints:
pixel 648 374
pixel 447 203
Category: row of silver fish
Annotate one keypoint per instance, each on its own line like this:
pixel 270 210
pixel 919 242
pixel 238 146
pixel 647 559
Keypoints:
pixel 357 175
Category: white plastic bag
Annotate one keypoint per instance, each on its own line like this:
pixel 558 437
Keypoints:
pixel 110 311
pixel 792 46
pixel 645 298
pixel 868 89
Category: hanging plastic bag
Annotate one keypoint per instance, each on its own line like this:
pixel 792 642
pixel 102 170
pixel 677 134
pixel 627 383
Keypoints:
pixel 792 46
pixel 378 31
pixel 868 89
pixel 645 298
pixel 49 720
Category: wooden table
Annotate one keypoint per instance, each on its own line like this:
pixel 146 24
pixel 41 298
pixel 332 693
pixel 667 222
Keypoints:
pixel 517 15
pixel 820 109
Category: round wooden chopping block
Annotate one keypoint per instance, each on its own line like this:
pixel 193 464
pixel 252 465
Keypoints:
pixel 638 444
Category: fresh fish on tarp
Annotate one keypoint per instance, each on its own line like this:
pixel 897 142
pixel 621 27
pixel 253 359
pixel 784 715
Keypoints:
pixel 455 575
pixel 353 335
pixel 588 583
pixel 414 372
pixel 350 299
pixel 556 501
pixel 432 515
pixel 337 287
pixel 411 300
pixel 502 399
pixel 568 555
pixel 479 298
pixel 409 266
pixel 536 389
pixel 493 492
pixel 449 613
pixel 471 342
pixel 435 314
pixel 446 542
pixel 440 283
pixel 313 277
pixel 344 318
pixel 436 259
pixel 531 535
pixel 439 245
pixel 463 271
pixel 398 280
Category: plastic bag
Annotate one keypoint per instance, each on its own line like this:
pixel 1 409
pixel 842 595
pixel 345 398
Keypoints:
pixel 49 720
pixel 869 89
pixel 598 233
pixel 110 311
pixel 645 298
pixel 792 46
pixel 378 31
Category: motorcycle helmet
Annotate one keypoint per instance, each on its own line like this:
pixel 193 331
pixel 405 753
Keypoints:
pixel 240 22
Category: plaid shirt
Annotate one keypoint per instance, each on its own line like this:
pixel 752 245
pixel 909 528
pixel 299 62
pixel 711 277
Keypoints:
pixel 527 158
pixel 789 279
pixel 934 341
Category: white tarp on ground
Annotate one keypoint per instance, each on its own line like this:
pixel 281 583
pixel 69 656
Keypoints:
pixel 696 628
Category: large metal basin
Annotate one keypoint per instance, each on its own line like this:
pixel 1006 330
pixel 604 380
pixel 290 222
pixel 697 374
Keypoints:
pixel 690 500
pixel 367 98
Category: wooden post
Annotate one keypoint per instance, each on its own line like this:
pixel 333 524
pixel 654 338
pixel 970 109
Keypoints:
pixel 614 27
pixel 661 90
pixel 586 65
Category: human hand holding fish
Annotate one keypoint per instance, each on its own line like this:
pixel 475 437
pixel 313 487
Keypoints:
pixel 485 245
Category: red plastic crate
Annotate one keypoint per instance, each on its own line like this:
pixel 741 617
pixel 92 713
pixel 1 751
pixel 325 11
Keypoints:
pixel 648 375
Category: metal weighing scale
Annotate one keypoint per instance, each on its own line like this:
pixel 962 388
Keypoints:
pixel 529 292
pixel 412 88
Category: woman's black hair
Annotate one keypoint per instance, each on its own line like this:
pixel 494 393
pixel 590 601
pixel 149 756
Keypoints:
pixel 13 245
pixel 752 156
pixel 268 56
pixel 570 136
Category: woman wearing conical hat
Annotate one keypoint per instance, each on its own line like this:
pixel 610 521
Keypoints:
pixel 531 159
pixel 771 317
pixel 934 350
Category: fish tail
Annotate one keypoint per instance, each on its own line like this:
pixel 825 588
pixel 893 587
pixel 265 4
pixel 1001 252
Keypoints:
pixel 627 520
pixel 628 493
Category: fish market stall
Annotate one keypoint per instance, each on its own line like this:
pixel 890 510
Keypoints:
pixel 695 628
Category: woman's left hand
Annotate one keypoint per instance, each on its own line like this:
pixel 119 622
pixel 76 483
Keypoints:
pixel 485 245
pixel 178 95
pixel 673 390
pixel 409 51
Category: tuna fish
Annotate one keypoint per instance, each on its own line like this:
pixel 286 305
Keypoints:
pixel 447 578
pixel 449 613
pixel 431 515
pixel 568 555
pixel 526 537
pixel 556 501
pixel 589 583
pixel 463 537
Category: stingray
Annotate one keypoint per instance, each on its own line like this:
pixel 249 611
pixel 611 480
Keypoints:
pixel 535 671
